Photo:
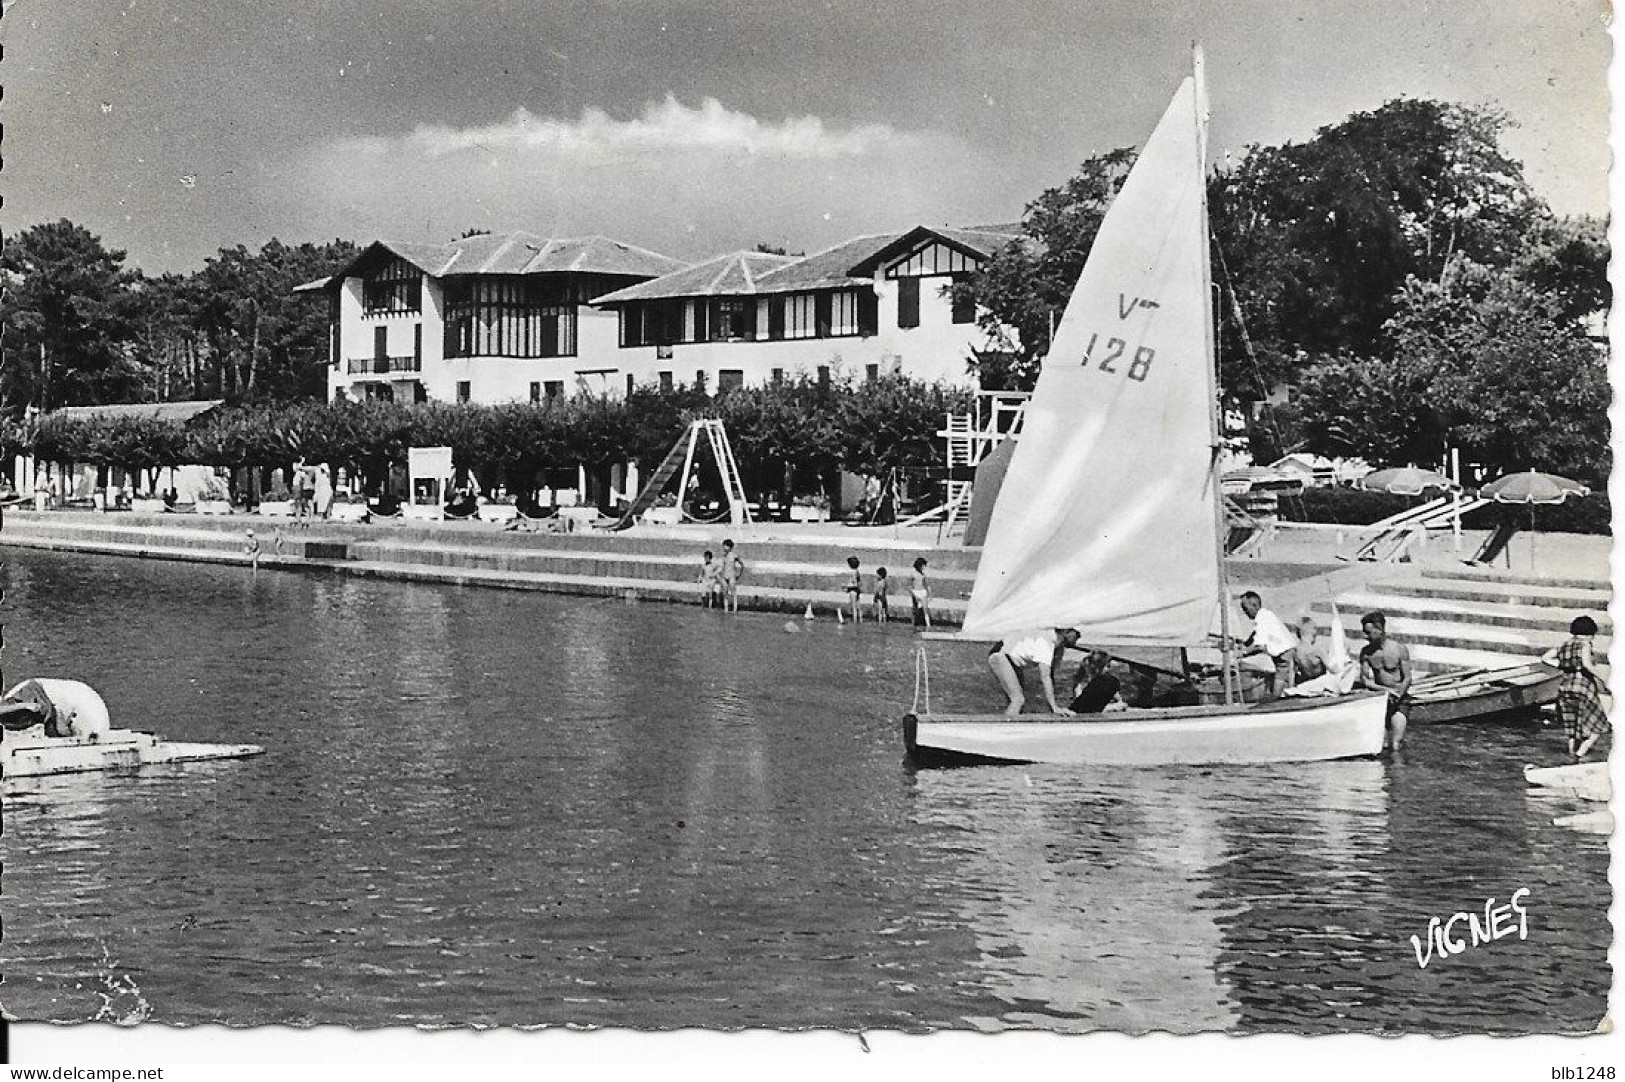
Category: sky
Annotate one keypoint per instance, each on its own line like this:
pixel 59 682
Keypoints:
pixel 173 128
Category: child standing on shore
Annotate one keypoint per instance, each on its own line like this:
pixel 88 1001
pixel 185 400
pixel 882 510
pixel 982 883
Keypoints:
pixel 882 600
pixel 919 594
pixel 854 589
pixel 710 580
pixel 733 569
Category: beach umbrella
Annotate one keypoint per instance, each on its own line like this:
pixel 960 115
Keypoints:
pixel 1404 481
pixel 1532 488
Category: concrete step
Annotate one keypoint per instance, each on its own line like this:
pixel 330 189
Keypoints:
pixel 1468 636
pixel 1354 604
pixel 1435 659
pixel 1573 599
pixel 1484 574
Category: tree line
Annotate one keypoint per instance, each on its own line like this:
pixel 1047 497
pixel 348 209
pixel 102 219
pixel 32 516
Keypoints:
pixel 790 437
pixel 1390 288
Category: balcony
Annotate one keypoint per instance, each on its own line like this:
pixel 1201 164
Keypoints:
pixel 383 365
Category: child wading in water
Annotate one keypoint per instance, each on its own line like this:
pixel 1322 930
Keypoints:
pixel 854 589
pixel 733 569
pixel 919 594
pixel 882 600
pixel 710 580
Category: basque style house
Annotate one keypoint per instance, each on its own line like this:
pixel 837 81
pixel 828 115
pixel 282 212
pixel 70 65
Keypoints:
pixel 487 318
pixel 875 305
pixel 517 317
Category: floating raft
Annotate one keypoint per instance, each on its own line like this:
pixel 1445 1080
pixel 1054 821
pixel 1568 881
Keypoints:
pixel 32 754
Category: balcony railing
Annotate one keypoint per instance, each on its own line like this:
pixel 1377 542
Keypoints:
pixel 380 365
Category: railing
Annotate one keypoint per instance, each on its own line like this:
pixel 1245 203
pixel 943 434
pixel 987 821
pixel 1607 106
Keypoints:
pixel 381 365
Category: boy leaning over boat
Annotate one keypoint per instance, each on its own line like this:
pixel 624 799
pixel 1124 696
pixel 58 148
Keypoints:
pixel 64 707
pixel 1041 649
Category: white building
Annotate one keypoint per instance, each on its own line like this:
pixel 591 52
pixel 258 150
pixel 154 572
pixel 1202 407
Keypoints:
pixel 874 305
pixel 488 318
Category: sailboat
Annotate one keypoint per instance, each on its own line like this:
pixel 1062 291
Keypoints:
pixel 1108 518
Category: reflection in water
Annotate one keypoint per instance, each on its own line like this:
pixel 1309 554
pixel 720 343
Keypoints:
pixel 504 808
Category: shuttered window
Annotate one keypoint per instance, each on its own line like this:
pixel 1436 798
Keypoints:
pixel 908 302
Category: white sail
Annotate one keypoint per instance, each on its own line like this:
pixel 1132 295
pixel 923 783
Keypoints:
pixel 1106 520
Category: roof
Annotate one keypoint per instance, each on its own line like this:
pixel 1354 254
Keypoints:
pixel 734 274
pixel 515 253
pixel 153 411
pixel 848 264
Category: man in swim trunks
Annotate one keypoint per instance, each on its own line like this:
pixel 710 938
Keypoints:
pixel 64 707
pixel 1043 649
pixel 1385 665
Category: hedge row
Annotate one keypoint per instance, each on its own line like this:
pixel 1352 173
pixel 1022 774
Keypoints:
pixel 1353 506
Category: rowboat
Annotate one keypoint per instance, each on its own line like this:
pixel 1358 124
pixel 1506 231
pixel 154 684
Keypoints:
pixel 1108 517
pixel 1480 694
pixel 1587 781
pixel 31 753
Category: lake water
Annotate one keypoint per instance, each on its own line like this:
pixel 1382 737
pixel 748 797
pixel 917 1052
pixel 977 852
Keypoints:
pixel 516 809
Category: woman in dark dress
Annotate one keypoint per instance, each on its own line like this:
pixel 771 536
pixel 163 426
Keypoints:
pixel 1579 696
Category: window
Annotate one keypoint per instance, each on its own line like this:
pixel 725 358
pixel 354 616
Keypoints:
pixel 778 375
pixel 510 317
pixel 420 393
pixel 823 375
pixel 652 323
pixel 964 304
pixel 397 286
pixel 462 390
pixel 798 316
pixel 380 342
pixel 730 379
pixel 553 389
pixel 631 384
pixel 699 381
pixel 665 381
pixel 417 345
pixel 823 308
pixel 871 372
pixel 535 393
pixel 731 318
pixel 908 302
pixel 868 312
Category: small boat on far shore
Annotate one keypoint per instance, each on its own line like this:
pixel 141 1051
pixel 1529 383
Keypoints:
pixel 1509 693
pixel 31 754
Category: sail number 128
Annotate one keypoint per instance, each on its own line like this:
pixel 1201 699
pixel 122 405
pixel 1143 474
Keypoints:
pixel 1115 358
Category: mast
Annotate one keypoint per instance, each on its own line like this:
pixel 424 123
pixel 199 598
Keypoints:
pixel 1215 415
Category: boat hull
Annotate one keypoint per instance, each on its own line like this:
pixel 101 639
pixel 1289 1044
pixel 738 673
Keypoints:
pixel 1285 731
pixel 29 756
pixel 1587 781
pixel 1510 694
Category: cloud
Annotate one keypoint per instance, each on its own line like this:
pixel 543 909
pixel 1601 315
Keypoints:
pixel 691 182
pixel 664 127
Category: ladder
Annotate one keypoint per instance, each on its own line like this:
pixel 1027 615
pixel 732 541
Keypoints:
pixel 682 454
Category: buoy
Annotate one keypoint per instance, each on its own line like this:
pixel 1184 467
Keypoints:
pixel 808 615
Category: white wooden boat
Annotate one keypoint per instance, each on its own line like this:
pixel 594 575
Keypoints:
pixel 31 753
pixel 1284 731
pixel 1587 781
pixel 1509 693
pixel 1109 516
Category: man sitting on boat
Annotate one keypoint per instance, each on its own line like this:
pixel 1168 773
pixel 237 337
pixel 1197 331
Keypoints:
pixel 64 707
pixel 1385 665
pixel 1043 649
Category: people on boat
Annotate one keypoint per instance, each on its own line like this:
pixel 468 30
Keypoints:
pixel 733 569
pixel 1270 640
pixel 1041 650
pixel 64 707
pixel 710 580
pixel 1579 696
pixel 1385 665
pixel 1095 688
pixel 1308 656
pixel 854 588
pixel 882 596
pixel 919 594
